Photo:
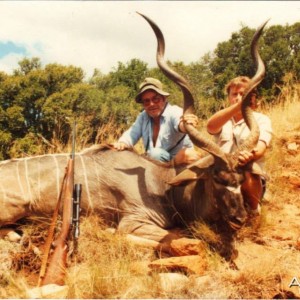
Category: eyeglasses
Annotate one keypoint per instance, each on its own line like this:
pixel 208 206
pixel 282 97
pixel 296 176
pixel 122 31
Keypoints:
pixel 155 99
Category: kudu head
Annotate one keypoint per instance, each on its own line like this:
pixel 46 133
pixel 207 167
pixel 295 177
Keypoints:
pixel 222 168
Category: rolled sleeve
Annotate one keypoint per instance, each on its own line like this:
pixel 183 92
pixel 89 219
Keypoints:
pixel 265 127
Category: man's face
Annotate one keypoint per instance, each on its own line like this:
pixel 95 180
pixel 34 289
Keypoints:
pixel 236 94
pixel 153 103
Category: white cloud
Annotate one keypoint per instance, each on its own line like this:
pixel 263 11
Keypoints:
pixel 98 34
pixel 10 62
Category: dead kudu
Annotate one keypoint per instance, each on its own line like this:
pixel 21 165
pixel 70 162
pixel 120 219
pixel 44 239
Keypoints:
pixel 143 198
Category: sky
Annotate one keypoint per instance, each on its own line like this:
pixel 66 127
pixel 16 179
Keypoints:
pixel 100 34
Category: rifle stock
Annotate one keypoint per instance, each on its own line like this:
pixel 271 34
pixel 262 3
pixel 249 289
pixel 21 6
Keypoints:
pixel 56 270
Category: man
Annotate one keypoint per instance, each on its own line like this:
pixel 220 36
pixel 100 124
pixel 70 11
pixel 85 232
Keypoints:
pixel 230 131
pixel 161 126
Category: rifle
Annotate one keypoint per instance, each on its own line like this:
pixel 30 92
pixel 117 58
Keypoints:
pixel 56 270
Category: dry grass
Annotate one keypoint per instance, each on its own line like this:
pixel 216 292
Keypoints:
pixel 109 266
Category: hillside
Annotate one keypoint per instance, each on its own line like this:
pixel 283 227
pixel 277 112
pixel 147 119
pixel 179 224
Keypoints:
pixel 109 266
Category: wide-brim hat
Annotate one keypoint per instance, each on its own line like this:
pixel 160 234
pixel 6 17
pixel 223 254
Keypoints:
pixel 150 84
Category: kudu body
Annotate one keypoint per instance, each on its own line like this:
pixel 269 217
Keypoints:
pixel 122 187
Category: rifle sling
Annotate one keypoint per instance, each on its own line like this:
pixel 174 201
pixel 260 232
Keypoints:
pixel 51 233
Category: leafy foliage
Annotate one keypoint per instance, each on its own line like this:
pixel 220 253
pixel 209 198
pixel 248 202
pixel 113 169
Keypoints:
pixel 279 48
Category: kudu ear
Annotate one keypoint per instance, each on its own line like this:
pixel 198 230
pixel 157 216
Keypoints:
pixel 194 171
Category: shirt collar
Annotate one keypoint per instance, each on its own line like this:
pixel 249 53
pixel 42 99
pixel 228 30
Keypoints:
pixel 241 121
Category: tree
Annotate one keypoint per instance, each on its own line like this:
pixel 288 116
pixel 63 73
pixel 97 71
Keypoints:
pixel 130 75
pixel 25 99
pixel 27 65
pixel 80 101
pixel 5 143
pixel 59 77
pixel 231 58
pixel 294 44
pixel 279 49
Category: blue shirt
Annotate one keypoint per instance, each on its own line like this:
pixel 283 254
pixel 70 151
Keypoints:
pixel 169 137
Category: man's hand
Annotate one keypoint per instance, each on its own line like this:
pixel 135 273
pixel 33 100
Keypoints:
pixel 120 146
pixel 190 119
pixel 186 156
pixel 246 156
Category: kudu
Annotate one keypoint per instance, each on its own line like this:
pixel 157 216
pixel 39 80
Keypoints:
pixel 129 189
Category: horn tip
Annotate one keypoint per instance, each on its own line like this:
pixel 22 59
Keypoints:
pixel 264 24
pixel 141 15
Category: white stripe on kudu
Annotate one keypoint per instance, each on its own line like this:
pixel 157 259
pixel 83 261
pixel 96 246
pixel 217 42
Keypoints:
pixel 19 178
pixel 27 179
pixel 86 181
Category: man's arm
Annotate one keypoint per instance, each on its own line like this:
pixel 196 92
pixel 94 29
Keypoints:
pixel 217 121
pixel 264 141
pixel 255 154
pixel 131 136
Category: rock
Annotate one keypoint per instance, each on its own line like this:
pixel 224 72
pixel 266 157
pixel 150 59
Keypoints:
pixel 292 146
pixel 185 246
pixel 13 236
pixel 191 264
pixel 297 246
pixel 295 181
pixel 9 234
pixel 293 178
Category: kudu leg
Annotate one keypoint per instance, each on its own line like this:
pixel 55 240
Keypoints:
pixel 157 237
